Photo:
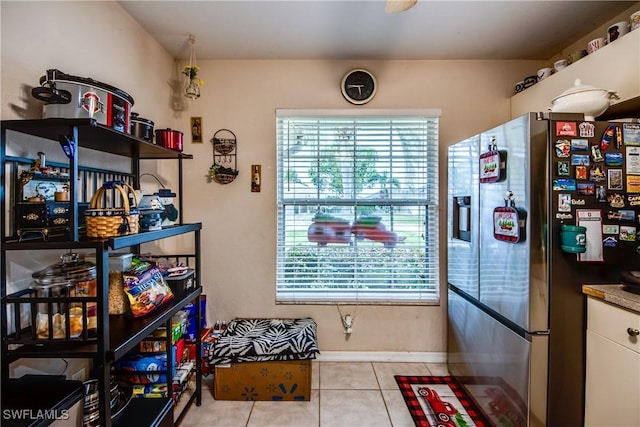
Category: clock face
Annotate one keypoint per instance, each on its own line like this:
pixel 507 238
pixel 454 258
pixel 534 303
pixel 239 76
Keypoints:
pixel 358 86
pixel 46 189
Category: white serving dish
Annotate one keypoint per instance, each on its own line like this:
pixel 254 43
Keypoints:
pixel 585 99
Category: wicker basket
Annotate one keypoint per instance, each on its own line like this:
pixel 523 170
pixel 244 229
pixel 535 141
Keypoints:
pixel 224 178
pixel 224 145
pixel 110 222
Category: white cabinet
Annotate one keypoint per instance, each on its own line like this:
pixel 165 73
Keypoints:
pixel 612 396
pixel 614 67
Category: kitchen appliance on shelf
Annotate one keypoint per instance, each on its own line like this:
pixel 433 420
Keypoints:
pixel 537 207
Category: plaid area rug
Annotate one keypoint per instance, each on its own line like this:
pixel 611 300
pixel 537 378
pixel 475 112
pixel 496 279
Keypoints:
pixel 440 402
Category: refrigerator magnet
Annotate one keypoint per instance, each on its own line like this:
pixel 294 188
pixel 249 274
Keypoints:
pixel 607 137
pixel 634 200
pixel 597 174
pixel 579 144
pixel 626 215
pixel 493 164
pixel 563 169
pixel 614 179
pixel 614 159
pixel 627 233
pixel 580 160
pixel 581 172
pixel 591 219
pixel 609 242
pixel 596 154
pixel 633 184
pixel 587 130
pixel 586 188
pixel 631 133
pixel 564 202
pixel 563 148
pixel 566 129
pixel 633 160
pixel 564 185
pixel 616 200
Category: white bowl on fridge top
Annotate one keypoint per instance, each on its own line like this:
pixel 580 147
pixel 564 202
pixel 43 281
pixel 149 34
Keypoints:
pixel 585 99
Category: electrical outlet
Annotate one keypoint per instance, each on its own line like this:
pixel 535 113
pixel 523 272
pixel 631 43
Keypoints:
pixel 80 375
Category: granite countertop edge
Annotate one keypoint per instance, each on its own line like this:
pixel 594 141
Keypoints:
pixel 614 294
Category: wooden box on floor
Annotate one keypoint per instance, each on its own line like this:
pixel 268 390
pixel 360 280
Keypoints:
pixel 278 380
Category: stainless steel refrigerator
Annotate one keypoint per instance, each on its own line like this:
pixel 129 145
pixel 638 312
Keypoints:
pixel 516 314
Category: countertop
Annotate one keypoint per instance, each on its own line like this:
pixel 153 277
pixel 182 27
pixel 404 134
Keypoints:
pixel 614 294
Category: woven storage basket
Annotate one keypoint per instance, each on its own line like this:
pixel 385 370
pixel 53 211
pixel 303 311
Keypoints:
pixel 224 178
pixel 110 222
pixel 224 145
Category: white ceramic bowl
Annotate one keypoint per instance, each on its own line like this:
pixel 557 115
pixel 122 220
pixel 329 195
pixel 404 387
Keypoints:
pixel 584 99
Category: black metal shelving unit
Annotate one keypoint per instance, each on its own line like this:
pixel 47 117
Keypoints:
pixel 116 335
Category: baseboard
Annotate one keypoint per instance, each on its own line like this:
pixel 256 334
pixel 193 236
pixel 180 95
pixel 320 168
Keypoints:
pixel 382 356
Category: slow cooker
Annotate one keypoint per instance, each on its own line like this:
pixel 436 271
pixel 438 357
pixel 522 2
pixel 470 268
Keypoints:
pixel 141 128
pixel 72 97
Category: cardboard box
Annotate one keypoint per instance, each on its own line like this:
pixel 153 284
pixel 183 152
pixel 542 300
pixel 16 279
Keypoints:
pixel 281 380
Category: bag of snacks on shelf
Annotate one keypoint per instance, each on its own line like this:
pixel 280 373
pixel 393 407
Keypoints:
pixel 146 288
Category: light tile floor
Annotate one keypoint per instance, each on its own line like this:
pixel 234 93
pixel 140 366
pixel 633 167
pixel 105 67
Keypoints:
pixel 344 394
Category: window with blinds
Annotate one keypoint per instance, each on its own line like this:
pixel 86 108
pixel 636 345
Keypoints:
pixel 357 207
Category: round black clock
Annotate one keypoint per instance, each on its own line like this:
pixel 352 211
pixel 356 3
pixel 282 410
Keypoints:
pixel 358 86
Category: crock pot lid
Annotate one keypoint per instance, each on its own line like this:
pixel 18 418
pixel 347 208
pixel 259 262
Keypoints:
pixel 59 76
pixel 69 268
pixel 169 131
pixel 577 88
pixel 136 118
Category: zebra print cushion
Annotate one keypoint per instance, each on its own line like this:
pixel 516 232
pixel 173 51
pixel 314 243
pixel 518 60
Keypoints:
pixel 255 340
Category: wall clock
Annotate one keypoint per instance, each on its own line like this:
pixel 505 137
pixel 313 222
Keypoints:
pixel 358 86
pixel 46 190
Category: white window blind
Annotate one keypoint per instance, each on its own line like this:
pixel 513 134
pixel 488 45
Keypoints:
pixel 357 207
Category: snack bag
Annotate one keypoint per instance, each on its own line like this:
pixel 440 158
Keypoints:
pixel 146 288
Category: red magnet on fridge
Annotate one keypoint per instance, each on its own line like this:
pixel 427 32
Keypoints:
pixel 509 222
pixel 493 164
pixel 607 137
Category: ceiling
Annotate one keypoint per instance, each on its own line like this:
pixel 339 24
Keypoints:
pixel 360 29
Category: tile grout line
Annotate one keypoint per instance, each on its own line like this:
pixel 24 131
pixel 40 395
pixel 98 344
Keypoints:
pixel 384 401
pixel 250 412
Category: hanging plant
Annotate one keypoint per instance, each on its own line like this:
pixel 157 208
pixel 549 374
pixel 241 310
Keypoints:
pixel 192 88
pixel 191 71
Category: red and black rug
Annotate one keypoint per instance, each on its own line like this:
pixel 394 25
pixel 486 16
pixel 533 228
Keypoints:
pixel 444 402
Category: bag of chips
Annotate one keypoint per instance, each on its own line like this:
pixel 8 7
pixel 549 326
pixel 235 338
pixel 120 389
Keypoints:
pixel 146 288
